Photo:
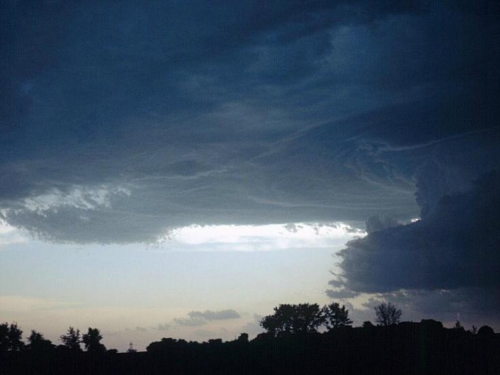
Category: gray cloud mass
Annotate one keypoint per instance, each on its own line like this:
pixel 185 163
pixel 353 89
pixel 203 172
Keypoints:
pixel 443 266
pixel 455 246
pixel 122 120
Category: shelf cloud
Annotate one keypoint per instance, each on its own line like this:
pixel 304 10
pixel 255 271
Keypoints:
pixel 157 116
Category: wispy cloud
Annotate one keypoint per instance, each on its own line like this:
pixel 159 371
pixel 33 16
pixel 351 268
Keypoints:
pixel 11 235
pixel 199 318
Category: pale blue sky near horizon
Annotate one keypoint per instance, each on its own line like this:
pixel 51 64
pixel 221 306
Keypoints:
pixel 117 288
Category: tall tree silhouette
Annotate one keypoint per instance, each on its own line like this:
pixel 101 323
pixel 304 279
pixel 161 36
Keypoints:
pixel 72 339
pixel 38 343
pixel 15 337
pixel 92 339
pixel 387 314
pixel 4 338
pixel 301 318
pixel 10 337
pixel 336 316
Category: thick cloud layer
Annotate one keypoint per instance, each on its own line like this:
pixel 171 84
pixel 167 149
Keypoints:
pixel 123 119
pixel 376 223
pixel 446 263
pixel 455 246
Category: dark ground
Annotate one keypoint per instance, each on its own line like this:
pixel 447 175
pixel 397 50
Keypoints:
pixel 407 348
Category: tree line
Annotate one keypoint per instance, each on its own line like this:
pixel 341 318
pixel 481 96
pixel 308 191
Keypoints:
pixel 308 318
pixel 298 339
pixel 11 340
pixel 286 319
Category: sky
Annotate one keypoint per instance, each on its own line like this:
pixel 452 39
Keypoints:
pixel 179 168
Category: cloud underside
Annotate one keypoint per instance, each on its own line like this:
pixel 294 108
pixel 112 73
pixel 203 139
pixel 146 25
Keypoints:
pixel 447 261
pixel 163 115
pixel 471 306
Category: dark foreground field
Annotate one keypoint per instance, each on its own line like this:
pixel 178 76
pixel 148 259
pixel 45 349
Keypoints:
pixel 407 348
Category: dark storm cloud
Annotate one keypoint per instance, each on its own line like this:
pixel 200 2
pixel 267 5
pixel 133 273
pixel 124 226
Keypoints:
pixel 341 294
pixel 475 305
pixel 472 306
pixel 454 246
pixel 376 223
pixel 122 119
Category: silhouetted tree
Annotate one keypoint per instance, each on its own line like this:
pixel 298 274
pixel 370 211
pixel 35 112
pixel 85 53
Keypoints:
pixel 486 331
pixel 38 343
pixel 458 326
pixel 131 348
pixel 72 339
pixel 301 318
pixel 368 324
pixel 336 316
pixel 92 339
pixel 15 337
pixel 4 337
pixel 243 338
pixel 387 314
pixel 10 337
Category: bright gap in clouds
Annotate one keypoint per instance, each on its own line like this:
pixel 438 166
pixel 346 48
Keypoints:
pixel 10 235
pixel 273 237
pixel 228 237
pixel 261 237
